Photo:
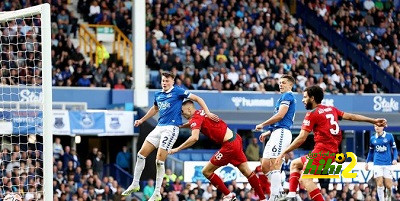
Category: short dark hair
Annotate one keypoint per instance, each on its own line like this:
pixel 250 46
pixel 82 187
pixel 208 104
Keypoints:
pixel 168 74
pixel 289 77
pixel 188 101
pixel 316 92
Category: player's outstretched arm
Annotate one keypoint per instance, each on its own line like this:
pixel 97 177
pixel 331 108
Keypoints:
pixel 188 143
pixel 277 117
pixel 294 145
pixel 153 111
pixel 203 105
pixel 357 117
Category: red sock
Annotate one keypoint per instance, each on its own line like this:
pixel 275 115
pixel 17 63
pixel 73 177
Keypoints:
pixel 265 185
pixel 219 184
pixel 255 183
pixel 316 195
pixel 294 181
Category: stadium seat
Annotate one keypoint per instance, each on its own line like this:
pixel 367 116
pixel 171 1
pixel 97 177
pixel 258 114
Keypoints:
pixel 197 157
pixel 184 156
pixel 207 156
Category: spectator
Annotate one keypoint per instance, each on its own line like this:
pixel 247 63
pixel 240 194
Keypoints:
pixel 57 147
pixel 98 164
pixel 148 190
pixel 119 85
pixel 101 53
pixel 124 159
pixel 253 150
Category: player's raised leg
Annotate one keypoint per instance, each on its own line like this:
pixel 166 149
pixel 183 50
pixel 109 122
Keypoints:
pixel 144 151
pixel 168 138
pixel 208 172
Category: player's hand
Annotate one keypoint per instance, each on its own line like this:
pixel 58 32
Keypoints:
pixel 172 151
pixel 213 116
pixel 366 167
pixel 381 122
pixel 259 127
pixel 279 158
pixel 138 123
pixel 264 135
pixel 394 162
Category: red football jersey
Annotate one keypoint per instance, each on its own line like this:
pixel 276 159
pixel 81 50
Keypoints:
pixel 323 120
pixel 214 130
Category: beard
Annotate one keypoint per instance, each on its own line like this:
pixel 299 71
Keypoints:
pixel 308 105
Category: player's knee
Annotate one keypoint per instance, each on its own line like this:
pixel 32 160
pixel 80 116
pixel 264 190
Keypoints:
pixel 296 166
pixel 159 162
pixel 206 173
pixel 265 168
pixel 304 182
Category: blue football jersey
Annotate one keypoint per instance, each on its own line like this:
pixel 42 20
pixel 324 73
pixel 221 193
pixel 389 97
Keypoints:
pixel 287 121
pixel 380 149
pixel 169 104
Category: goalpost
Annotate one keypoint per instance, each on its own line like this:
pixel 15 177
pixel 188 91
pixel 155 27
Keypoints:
pixel 25 131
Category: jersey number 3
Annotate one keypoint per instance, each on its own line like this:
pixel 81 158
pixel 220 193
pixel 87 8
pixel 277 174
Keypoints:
pixel 333 123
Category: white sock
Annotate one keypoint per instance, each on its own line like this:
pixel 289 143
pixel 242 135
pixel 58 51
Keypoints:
pixel 140 163
pixel 389 193
pixel 381 194
pixel 291 194
pixel 160 175
pixel 276 184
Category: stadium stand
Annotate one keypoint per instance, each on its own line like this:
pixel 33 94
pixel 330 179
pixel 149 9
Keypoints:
pixel 237 53
pixel 70 68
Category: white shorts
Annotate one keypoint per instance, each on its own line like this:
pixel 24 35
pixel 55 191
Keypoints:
pixel 280 139
pixel 163 136
pixel 383 171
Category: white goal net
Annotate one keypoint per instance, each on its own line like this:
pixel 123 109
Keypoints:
pixel 25 103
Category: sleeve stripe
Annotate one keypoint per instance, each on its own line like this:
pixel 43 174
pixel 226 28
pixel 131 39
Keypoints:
pixel 285 102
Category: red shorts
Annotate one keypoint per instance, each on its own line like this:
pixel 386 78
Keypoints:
pixel 305 158
pixel 230 152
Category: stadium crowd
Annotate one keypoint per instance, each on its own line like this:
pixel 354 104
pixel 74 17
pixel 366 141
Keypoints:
pixel 372 26
pixel 243 45
pixel 21 61
pixel 212 45
pixel 22 173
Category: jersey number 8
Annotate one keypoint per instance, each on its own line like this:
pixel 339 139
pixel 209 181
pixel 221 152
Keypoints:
pixel 218 156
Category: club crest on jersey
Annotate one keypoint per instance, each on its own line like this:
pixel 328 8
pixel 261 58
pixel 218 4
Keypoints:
pixel 58 122
pixel 169 95
pixel 385 141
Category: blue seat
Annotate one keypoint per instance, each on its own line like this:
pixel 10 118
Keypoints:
pixel 207 156
pixel 197 157
pixel 184 156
